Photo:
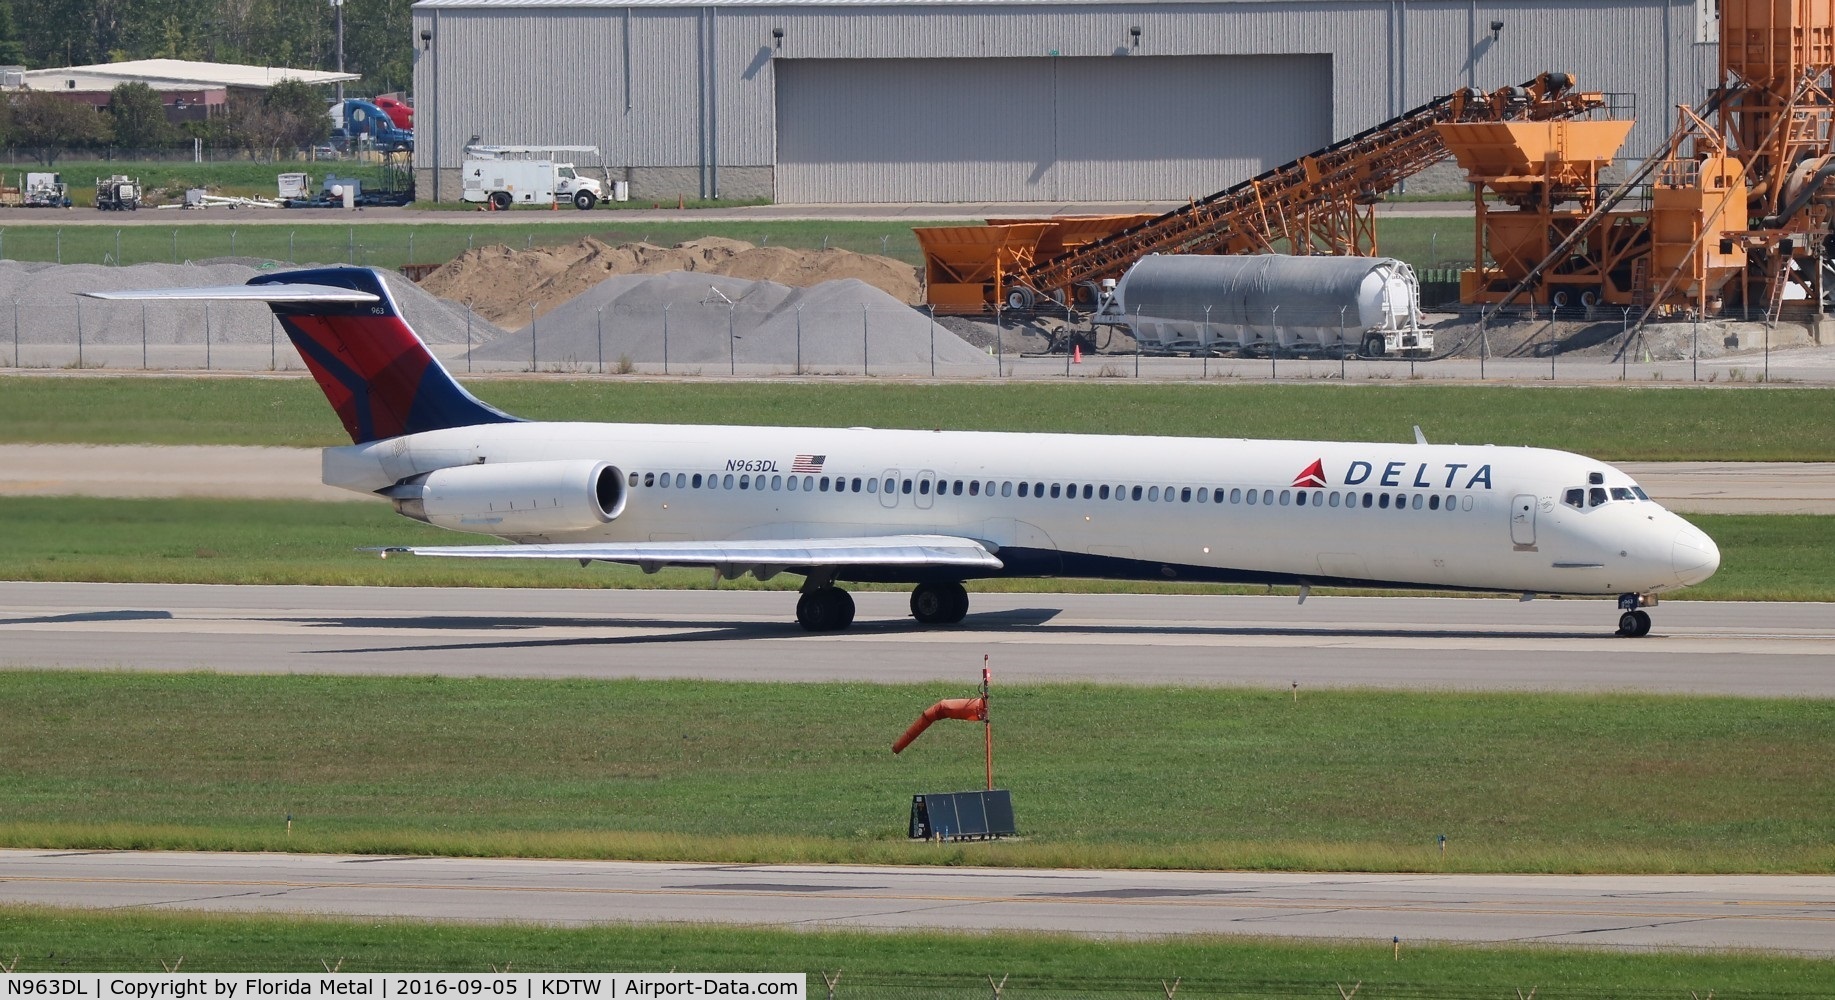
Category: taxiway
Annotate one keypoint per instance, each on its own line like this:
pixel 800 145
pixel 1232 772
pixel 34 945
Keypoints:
pixel 1697 647
pixel 1773 913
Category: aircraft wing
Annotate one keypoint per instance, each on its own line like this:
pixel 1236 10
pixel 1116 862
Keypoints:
pixel 762 557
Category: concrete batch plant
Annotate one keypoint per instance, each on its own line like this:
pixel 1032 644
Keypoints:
pixel 837 101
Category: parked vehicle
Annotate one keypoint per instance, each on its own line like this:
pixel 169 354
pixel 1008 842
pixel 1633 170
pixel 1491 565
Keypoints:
pixel 45 191
pixel 118 193
pixel 504 176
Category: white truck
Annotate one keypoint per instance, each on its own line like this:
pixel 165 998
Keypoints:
pixel 504 176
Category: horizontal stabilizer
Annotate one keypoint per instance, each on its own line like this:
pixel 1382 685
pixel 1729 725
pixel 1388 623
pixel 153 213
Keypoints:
pixel 244 293
pixel 747 554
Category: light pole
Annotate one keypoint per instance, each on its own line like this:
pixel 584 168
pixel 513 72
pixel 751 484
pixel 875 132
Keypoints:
pixel 337 7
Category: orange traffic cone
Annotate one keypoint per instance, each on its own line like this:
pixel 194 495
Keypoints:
pixel 1076 354
pixel 555 205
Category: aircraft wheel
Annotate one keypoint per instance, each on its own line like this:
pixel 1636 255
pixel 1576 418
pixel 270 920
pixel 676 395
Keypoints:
pixel 958 604
pixel 939 603
pixel 829 609
pixel 1634 624
pixel 841 609
pixel 929 605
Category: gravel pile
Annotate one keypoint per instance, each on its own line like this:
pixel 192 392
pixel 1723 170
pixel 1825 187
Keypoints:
pixel 47 301
pixel 716 319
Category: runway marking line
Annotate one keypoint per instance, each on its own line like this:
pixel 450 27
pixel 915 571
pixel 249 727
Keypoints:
pixel 1189 902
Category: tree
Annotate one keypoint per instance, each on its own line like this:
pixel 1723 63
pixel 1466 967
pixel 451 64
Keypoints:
pixel 12 53
pixel 47 125
pixel 291 115
pixel 300 106
pixel 139 116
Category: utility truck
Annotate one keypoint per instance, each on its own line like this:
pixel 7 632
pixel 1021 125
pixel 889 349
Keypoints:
pixel 118 193
pixel 503 176
pixel 45 191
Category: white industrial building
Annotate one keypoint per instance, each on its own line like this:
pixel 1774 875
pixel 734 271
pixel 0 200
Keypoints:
pixel 1002 100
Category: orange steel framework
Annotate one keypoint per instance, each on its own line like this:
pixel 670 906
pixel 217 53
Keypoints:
pixel 1739 190
pixel 1319 203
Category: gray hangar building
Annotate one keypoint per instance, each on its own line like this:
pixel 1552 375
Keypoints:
pixel 838 101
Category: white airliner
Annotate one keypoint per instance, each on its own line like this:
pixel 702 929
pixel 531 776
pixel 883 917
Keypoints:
pixel 937 508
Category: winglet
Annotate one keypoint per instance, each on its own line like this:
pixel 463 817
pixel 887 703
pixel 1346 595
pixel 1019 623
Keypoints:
pixel 1419 438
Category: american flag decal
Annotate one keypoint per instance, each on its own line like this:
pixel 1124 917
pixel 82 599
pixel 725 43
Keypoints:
pixel 808 463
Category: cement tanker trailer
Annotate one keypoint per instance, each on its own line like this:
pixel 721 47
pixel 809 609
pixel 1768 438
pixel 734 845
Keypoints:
pixel 1201 302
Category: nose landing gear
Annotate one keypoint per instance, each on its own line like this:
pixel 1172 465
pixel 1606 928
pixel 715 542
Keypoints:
pixel 1633 620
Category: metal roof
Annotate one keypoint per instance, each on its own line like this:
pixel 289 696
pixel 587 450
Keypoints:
pixel 175 73
pixel 507 4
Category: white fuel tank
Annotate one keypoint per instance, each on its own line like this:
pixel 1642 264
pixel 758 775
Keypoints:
pixel 1202 301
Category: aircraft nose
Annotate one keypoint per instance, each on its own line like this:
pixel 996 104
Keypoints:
pixel 1695 556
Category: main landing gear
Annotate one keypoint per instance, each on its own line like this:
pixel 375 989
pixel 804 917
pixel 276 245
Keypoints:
pixel 1633 620
pixel 825 607
pixel 939 603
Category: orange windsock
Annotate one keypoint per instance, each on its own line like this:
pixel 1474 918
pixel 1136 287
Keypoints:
pixel 972 709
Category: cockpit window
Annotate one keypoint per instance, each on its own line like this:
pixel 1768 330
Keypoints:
pixel 1639 490
pixel 1576 497
pixel 1622 493
pixel 1596 496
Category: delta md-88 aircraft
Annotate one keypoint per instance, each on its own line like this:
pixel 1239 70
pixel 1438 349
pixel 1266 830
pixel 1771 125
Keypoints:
pixel 937 508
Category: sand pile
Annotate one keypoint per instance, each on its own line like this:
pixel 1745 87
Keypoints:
pixel 713 320
pixel 502 283
pixel 48 303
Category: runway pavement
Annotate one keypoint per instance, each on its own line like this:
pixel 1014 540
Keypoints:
pixel 1761 650
pixel 1773 913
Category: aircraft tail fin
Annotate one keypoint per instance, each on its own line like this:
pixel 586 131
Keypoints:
pixel 377 373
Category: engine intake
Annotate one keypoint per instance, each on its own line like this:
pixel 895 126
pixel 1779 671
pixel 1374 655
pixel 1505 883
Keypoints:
pixel 515 498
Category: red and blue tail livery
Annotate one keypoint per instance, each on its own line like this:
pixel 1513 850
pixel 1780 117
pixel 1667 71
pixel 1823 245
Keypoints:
pixel 380 378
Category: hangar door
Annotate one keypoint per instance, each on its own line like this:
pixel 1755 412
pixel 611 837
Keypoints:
pixel 1049 129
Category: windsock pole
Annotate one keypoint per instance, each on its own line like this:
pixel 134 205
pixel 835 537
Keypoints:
pixel 987 720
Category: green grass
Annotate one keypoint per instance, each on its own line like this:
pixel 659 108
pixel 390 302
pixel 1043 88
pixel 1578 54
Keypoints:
pixel 876 965
pixel 1771 424
pixel 1341 780
pixel 324 237
pixel 1763 557
pixel 168 180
